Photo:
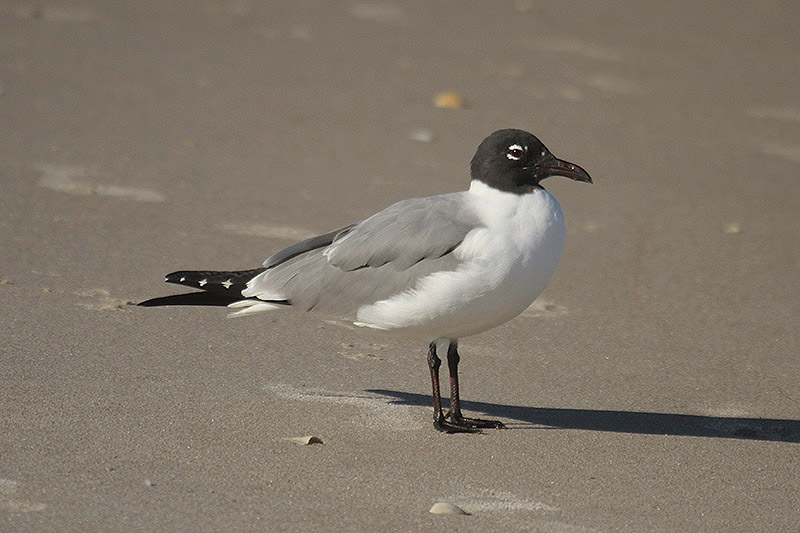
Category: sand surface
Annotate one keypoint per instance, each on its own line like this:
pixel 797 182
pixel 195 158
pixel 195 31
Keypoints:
pixel 654 387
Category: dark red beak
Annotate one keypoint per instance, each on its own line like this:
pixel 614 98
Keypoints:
pixel 557 167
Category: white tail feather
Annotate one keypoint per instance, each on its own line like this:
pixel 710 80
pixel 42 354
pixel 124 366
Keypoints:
pixel 250 307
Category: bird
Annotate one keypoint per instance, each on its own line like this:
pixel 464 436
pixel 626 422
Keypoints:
pixel 433 269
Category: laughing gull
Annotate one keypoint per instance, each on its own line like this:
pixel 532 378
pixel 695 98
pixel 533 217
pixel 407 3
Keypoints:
pixel 433 269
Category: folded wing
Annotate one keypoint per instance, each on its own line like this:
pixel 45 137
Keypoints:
pixel 360 264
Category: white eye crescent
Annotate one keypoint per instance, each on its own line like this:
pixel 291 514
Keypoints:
pixel 515 152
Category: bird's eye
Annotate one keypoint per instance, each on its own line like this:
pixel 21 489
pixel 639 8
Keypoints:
pixel 515 152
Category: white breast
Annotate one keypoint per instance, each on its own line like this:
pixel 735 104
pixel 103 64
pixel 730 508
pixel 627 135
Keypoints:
pixel 504 265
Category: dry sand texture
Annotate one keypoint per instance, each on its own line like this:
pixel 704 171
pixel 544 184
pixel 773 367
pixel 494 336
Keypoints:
pixel 653 388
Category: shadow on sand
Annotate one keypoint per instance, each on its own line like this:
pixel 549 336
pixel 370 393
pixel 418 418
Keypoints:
pixel 626 421
pixel 190 298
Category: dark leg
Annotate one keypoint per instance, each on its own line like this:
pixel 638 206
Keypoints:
pixel 452 366
pixel 439 420
pixel 433 364
pixel 455 416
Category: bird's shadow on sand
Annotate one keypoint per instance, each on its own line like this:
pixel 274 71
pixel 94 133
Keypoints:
pixel 626 421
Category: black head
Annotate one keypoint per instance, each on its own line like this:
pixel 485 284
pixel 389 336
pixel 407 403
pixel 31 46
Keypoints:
pixel 516 161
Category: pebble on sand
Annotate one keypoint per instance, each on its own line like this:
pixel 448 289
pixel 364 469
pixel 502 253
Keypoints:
pixel 732 228
pixel 423 135
pixel 307 440
pixel 446 508
pixel 448 100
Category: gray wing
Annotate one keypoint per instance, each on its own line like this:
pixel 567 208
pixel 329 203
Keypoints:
pixel 404 234
pixel 371 260
pixel 307 245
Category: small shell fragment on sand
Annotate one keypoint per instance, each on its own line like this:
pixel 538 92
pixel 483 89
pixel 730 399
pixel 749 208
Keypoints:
pixel 732 228
pixel 446 508
pixel 423 135
pixel 448 100
pixel 307 440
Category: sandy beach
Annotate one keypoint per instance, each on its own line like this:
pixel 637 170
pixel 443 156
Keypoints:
pixel 652 387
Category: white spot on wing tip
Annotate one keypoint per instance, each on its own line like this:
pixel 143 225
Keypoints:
pixel 227 283
pixel 202 282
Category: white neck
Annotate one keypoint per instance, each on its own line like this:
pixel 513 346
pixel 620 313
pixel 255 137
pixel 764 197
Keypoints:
pixel 481 189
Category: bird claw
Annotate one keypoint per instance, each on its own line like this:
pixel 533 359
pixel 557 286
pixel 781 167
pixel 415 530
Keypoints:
pixel 460 424
pixel 445 426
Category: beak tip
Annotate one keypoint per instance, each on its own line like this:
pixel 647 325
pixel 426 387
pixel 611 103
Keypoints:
pixel 559 167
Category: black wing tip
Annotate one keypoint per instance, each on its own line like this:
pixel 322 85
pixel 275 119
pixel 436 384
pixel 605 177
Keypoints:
pixel 179 276
pixel 225 282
